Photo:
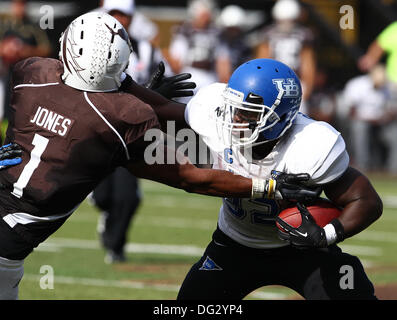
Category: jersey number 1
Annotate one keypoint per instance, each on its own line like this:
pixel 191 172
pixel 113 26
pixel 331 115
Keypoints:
pixel 40 144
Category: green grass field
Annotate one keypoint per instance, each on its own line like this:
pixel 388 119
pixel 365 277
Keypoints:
pixel 167 236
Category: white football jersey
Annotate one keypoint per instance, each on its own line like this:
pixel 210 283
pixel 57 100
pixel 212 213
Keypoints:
pixel 309 146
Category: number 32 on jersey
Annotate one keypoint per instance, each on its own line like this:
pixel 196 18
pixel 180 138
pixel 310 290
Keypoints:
pixel 258 211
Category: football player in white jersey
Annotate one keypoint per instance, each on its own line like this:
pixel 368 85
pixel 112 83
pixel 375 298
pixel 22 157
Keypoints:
pixel 253 128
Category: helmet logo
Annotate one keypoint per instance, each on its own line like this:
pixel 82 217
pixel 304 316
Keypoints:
pixel 71 62
pixel 288 87
pixel 219 112
pixel 120 32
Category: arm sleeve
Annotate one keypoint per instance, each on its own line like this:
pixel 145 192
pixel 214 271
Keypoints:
pixel 138 147
pixel 136 130
pixel 317 149
pixel 200 109
pixel 387 39
pixel 334 165
pixel 200 114
pixel 21 70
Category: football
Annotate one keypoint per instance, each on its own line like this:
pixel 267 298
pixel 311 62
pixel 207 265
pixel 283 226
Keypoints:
pixel 323 211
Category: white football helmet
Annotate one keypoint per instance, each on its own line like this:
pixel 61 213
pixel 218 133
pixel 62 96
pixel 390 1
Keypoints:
pixel 232 16
pixel 286 10
pixel 95 50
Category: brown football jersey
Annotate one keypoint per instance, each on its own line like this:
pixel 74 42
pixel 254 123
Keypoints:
pixel 71 140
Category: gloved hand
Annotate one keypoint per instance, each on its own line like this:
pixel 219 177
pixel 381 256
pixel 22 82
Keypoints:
pixel 308 235
pixel 9 155
pixel 291 187
pixel 171 87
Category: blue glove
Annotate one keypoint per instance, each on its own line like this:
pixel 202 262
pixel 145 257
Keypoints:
pixel 9 155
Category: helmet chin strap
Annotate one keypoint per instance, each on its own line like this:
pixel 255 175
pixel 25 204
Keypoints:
pixel 252 125
pixel 258 143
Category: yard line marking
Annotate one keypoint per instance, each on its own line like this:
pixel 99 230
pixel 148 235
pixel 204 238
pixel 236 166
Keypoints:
pixel 172 222
pixel 389 217
pixel 367 263
pixel 268 295
pixel 166 201
pixel 165 249
pixel 186 250
pixel 361 250
pixel 136 285
pixel 390 201
pixel 59 243
pixel 48 247
pixel 372 235
pixel 106 283
pixel 204 224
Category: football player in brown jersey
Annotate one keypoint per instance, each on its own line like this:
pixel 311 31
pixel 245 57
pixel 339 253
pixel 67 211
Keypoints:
pixel 78 118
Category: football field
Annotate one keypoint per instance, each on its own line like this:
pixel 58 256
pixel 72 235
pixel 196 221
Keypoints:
pixel 169 233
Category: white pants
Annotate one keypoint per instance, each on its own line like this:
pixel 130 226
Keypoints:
pixel 11 272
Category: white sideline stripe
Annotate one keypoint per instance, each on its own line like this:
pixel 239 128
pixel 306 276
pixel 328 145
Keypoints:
pixel 135 285
pixel 361 250
pixel 35 85
pixel 55 244
pixel 368 263
pixel 108 123
pixel 390 201
pixel 105 283
pixel 161 221
pixel 382 236
pixel 268 295
pixel 179 223
pixel 45 247
pixel 166 201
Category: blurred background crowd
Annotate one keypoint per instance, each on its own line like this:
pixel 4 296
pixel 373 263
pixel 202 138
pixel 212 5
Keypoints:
pixel 345 53
pixel 345 58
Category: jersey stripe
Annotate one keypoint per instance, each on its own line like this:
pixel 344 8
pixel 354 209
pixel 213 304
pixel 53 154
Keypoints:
pixel 109 125
pixel 36 85
pixel 24 218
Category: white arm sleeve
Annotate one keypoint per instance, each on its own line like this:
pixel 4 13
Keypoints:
pixel 200 114
pixel 317 149
pixel 334 165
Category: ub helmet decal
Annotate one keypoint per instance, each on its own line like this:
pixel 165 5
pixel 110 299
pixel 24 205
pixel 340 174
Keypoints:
pixel 95 50
pixel 261 101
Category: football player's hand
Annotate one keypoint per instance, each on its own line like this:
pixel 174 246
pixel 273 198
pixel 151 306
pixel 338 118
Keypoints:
pixel 292 187
pixel 171 87
pixel 308 234
pixel 10 155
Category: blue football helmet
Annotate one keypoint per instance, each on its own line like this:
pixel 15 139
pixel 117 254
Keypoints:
pixel 261 101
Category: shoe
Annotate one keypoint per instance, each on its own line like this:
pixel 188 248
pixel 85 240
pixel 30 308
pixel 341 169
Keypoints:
pixel 100 227
pixel 113 257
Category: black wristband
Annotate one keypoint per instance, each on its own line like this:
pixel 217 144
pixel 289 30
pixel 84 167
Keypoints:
pixel 340 231
pixel 126 83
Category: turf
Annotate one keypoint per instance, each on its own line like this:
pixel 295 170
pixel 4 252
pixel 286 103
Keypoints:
pixel 167 236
